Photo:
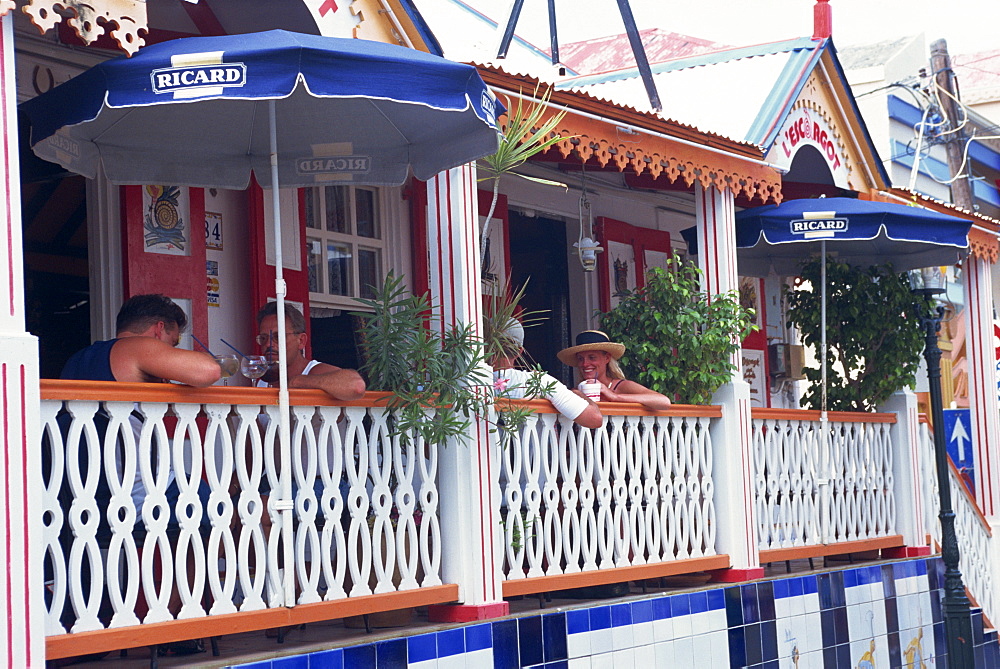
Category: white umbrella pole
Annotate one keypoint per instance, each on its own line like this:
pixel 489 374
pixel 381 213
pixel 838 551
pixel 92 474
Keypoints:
pixel 285 504
pixel 826 492
pixel 822 332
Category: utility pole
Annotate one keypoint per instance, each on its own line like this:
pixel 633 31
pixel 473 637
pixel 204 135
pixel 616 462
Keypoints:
pixel 944 76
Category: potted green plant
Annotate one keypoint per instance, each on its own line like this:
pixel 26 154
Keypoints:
pixel 678 341
pixel 873 337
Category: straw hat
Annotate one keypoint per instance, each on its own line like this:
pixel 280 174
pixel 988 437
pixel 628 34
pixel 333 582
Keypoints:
pixel 591 340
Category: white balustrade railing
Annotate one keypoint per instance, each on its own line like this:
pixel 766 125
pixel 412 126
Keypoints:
pixel 812 489
pixel 636 491
pixel 975 541
pixel 365 508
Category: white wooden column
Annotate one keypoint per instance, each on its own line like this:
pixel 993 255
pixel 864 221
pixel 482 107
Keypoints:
pixel 907 486
pixel 469 482
pixel 21 588
pixel 715 217
pixel 983 404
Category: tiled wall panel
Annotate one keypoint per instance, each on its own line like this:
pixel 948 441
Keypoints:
pixel 871 617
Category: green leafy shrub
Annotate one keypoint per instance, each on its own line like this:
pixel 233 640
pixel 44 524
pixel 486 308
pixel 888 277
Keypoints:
pixel 874 341
pixel 678 341
pixel 407 356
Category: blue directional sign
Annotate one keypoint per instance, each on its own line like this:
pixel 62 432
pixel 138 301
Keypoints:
pixel 958 432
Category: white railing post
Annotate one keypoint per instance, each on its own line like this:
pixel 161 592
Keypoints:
pixel 21 552
pixel 905 438
pixel 983 403
pixel 735 508
pixel 469 467
pixel 715 218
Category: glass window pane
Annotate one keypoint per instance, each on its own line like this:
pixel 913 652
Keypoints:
pixel 369 271
pixel 336 209
pixel 314 257
pixel 338 264
pixel 367 217
pixel 312 215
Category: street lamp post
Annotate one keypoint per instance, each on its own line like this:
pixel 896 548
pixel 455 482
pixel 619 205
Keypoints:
pixel 957 615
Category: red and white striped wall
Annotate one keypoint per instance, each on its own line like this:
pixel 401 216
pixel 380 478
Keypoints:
pixel 22 641
pixel 470 523
pixel 983 404
pixel 715 218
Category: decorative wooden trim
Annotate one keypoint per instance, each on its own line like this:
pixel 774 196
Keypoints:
pixel 85 643
pixel 823 550
pixel 528 586
pixel 984 245
pixel 735 165
pixel 834 416
pixel 128 17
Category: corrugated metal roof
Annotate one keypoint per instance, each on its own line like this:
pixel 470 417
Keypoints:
pixel 527 81
pixel 614 52
pixel 738 93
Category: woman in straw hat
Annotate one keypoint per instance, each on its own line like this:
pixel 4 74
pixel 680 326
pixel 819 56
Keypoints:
pixel 596 356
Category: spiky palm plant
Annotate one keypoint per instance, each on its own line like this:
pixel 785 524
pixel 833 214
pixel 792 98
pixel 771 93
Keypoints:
pixel 525 135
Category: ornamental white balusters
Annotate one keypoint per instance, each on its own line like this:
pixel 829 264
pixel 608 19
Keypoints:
pixel 430 523
pixel 304 470
pixel 219 469
pixel 84 448
pixel 648 453
pixel 513 526
pixel 331 447
pixel 380 449
pixel 94 456
pixel 636 491
pixel 569 458
pixel 359 542
pixel 189 554
pixel 120 468
pixel 53 472
pixel 531 535
pixel 551 532
pixel 251 558
pixel 588 495
pixel 404 468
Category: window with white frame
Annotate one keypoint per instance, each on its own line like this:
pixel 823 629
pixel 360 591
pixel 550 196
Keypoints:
pixel 345 241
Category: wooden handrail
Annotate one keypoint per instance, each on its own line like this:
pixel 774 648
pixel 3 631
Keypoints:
pixel 812 415
pixel 968 496
pixel 58 389
pixel 624 408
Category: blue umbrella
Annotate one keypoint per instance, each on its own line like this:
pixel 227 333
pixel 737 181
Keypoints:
pixel 860 233
pixel 297 110
pixel 196 112
pixel 856 232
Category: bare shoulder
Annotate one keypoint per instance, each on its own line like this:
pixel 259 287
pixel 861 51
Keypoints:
pixel 324 368
pixel 629 387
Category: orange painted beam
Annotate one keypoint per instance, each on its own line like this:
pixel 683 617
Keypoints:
pixel 810 415
pixel 528 586
pixel 86 643
pixel 823 550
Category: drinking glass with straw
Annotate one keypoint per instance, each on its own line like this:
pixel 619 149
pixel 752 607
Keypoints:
pixel 229 364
